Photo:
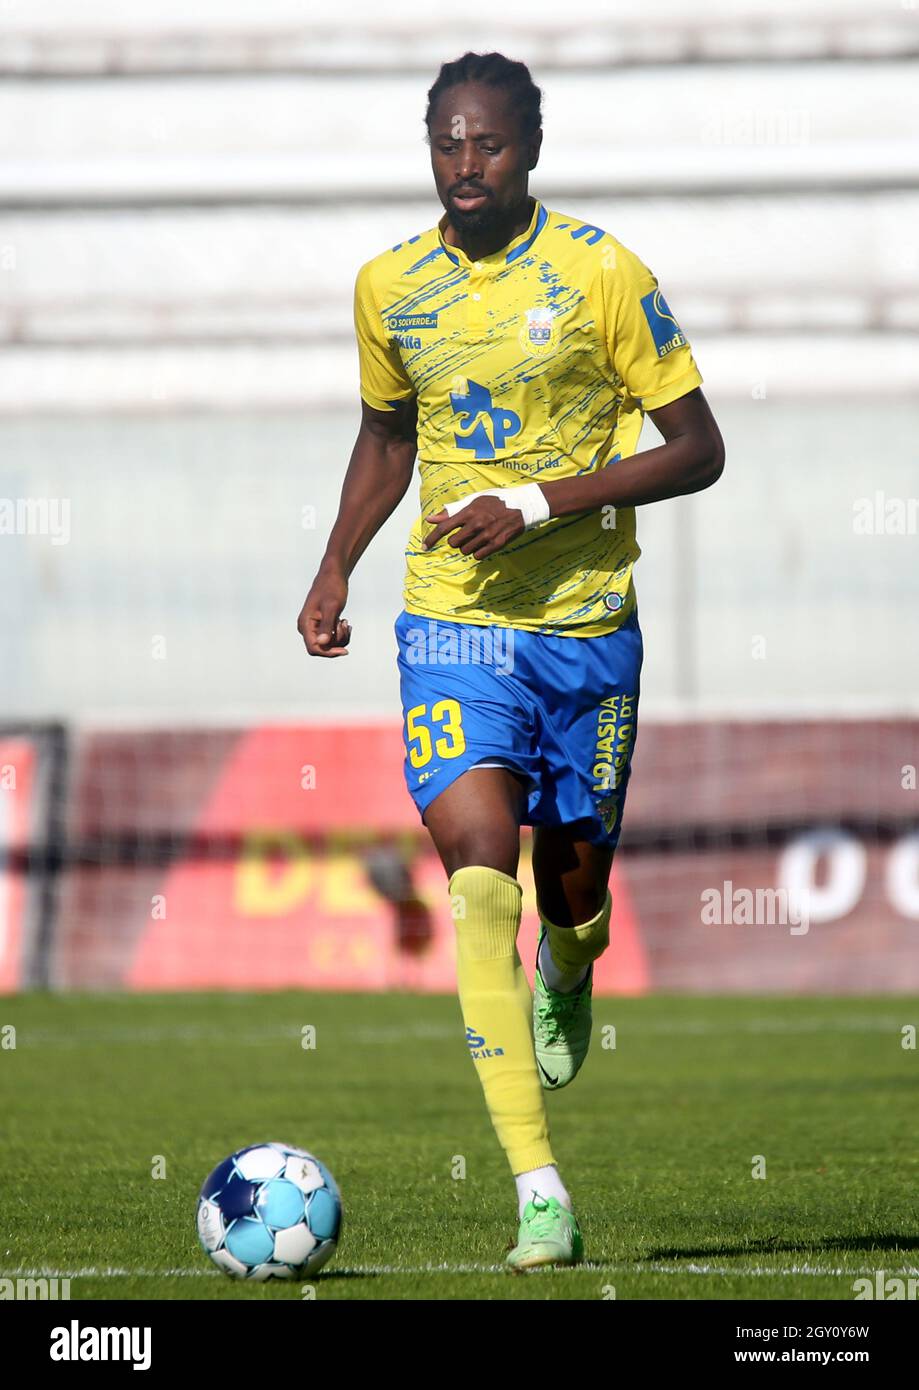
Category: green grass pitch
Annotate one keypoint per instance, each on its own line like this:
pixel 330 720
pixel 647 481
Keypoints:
pixel 656 1139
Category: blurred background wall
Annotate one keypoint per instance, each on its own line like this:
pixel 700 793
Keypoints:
pixel 188 190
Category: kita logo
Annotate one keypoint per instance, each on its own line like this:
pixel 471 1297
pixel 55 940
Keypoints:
pixel 481 426
pixel 477 1049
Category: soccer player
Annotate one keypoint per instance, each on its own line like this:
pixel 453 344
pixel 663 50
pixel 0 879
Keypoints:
pixel 516 350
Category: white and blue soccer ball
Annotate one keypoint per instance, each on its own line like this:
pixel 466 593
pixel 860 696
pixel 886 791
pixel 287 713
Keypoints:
pixel 269 1212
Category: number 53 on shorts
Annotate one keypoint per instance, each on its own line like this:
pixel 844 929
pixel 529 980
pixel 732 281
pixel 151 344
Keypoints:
pixel 440 732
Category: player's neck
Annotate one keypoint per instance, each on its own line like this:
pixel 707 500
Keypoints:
pixel 497 237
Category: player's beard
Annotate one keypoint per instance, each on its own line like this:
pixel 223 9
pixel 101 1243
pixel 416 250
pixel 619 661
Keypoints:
pixel 480 221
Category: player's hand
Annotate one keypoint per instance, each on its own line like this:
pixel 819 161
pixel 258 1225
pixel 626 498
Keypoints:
pixel 479 529
pixel 324 631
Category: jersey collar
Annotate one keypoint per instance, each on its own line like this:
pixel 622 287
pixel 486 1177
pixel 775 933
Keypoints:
pixel 507 255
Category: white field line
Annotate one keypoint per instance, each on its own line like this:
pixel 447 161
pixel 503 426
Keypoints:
pixel 588 1267
pixel 435 1032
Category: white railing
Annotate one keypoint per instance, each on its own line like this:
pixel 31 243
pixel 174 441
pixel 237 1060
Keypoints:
pixel 109 36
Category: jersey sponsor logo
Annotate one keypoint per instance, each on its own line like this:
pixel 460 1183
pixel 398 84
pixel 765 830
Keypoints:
pixel 408 323
pixel 482 426
pixel 538 332
pixel 407 340
pixel 664 328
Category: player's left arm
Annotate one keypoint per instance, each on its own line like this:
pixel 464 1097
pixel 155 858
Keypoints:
pixel 652 364
pixel 690 459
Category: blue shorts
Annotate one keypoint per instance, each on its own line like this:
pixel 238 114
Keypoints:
pixel 562 710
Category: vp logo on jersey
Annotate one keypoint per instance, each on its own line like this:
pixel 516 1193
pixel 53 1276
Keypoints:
pixel 664 328
pixel 481 426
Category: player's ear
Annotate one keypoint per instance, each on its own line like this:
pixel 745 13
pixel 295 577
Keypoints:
pixel 533 151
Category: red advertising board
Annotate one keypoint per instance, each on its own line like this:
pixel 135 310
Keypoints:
pixel 292 857
pixel 17 757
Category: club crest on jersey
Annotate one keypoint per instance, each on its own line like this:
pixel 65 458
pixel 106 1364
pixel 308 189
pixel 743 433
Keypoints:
pixel 538 334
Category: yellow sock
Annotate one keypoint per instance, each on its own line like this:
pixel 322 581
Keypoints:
pixel 497 1011
pixel 574 947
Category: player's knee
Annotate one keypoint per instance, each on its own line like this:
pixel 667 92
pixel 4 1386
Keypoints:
pixel 488 847
pixel 570 906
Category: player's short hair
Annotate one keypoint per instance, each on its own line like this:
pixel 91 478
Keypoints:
pixel 493 70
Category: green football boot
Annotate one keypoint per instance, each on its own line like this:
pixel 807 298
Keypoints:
pixel 549 1235
pixel 561 1027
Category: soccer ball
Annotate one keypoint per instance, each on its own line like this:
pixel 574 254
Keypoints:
pixel 269 1212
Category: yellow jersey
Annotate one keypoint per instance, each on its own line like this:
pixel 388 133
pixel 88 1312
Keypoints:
pixel 534 363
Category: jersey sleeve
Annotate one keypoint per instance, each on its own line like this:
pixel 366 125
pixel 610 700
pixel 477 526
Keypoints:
pixel 647 347
pixel 384 381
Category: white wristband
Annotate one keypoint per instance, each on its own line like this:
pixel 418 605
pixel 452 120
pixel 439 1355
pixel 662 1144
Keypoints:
pixel 527 498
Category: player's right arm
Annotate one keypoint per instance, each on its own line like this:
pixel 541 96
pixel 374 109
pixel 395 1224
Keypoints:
pixel 378 475
pixel 380 470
